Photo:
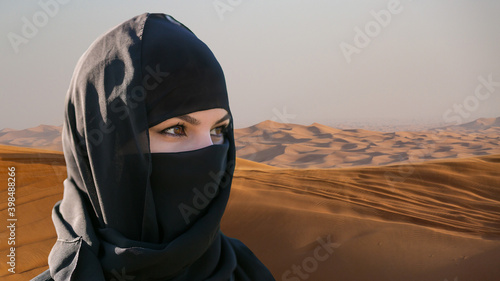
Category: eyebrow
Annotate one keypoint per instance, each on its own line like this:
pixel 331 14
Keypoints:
pixel 194 121
pixel 189 119
pixel 226 117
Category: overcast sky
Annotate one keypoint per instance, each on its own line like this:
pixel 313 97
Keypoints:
pixel 285 60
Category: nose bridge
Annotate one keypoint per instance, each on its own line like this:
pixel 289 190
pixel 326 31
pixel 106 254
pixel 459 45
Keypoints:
pixel 203 139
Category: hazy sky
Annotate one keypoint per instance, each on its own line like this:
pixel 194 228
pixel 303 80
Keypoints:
pixel 284 60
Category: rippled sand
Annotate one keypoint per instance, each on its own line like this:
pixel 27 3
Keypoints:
pixel 436 220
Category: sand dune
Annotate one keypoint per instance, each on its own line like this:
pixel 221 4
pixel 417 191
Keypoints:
pixel 479 124
pixel 39 176
pixel 319 146
pixel 43 136
pixel 437 220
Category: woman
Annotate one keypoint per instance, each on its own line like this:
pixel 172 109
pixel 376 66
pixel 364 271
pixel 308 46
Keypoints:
pixel 149 148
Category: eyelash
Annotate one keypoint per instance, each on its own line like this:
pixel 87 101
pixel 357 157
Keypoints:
pixel 183 127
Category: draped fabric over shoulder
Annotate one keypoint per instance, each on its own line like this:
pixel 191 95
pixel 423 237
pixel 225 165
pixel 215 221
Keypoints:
pixel 126 213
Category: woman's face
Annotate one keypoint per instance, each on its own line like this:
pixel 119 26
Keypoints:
pixel 189 132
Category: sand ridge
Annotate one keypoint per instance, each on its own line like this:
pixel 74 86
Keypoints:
pixel 318 146
pixel 441 221
pixel 434 220
pixel 42 136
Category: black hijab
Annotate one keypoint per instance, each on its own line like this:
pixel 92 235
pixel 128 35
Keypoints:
pixel 126 213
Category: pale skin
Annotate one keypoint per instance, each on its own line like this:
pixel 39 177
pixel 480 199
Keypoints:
pixel 190 131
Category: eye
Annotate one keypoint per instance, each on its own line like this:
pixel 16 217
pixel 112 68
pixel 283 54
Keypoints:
pixel 218 134
pixel 219 131
pixel 176 131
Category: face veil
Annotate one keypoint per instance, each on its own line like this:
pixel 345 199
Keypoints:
pixel 127 213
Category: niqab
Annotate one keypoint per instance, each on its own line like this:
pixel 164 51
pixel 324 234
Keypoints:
pixel 126 213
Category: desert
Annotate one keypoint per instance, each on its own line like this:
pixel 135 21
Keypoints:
pixel 320 203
